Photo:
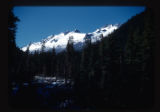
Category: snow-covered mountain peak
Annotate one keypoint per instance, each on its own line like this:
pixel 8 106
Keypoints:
pixel 59 41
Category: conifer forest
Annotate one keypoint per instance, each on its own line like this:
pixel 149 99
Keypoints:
pixel 115 72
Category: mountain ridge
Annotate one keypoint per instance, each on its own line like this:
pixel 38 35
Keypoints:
pixel 59 41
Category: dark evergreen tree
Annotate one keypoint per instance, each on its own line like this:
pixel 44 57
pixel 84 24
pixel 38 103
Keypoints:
pixel 13 51
pixel 53 62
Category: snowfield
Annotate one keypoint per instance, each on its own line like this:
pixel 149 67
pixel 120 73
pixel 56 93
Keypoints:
pixel 59 41
pixel 52 80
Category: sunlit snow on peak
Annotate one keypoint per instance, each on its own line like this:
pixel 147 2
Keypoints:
pixel 60 41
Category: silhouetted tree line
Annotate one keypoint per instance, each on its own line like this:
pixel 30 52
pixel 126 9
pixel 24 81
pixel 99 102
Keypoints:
pixel 121 65
pixel 116 71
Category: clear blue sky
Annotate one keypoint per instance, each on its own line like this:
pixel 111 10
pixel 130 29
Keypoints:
pixel 38 22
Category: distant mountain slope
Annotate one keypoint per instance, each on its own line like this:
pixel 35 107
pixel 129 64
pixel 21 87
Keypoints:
pixel 59 41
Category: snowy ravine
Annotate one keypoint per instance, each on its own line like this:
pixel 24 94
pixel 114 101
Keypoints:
pixel 60 41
